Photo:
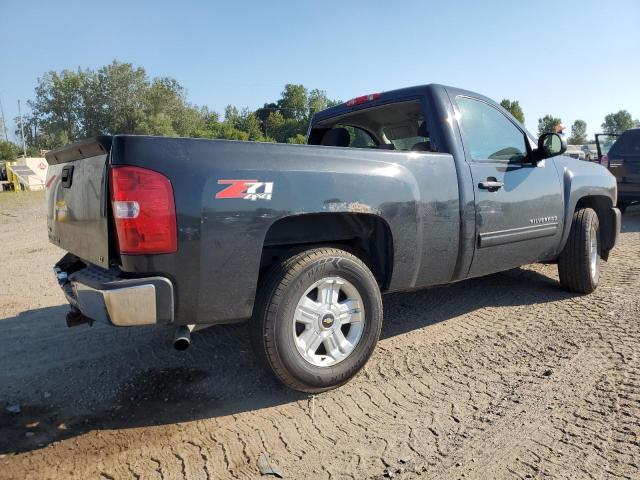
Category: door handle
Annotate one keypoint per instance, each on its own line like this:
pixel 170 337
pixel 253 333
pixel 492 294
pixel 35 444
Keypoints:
pixel 491 185
pixel 67 176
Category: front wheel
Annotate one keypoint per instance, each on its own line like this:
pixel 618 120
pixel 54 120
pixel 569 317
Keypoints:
pixel 317 319
pixel 579 262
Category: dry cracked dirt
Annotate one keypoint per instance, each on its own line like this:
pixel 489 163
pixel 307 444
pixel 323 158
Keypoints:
pixel 505 376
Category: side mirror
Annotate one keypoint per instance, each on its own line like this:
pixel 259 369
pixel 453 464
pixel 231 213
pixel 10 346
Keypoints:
pixel 550 145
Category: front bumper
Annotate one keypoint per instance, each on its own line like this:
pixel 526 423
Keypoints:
pixel 104 296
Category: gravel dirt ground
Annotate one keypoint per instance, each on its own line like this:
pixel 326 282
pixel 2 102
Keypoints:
pixel 499 377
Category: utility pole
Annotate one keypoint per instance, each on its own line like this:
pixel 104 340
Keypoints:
pixel 4 125
pixel 24 145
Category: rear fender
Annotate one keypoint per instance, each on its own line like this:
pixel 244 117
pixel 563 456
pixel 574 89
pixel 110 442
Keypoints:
pixel 234 229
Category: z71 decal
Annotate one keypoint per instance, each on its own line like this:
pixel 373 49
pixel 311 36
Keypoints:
pixel 246 189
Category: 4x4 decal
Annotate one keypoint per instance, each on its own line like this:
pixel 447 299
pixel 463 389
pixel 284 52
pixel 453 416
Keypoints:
pixel 246 189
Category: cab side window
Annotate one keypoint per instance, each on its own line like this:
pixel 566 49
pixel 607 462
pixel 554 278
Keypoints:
pixel 487 134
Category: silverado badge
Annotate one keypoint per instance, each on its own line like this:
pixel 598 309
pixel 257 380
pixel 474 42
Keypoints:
pixel 538 221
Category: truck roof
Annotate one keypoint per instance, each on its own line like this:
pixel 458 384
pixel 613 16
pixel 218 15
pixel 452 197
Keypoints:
pixel 375 99
pixel 380 99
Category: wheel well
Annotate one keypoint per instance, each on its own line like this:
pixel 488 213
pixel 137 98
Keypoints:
pixel 602 206
pixel 366 236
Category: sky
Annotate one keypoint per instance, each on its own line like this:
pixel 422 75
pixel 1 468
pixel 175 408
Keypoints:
pixel 574 59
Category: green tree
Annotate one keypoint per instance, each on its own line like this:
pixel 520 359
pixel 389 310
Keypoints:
pixel 514 108
pixel 319 101
pixel 618 122
pixel 289 117
pixel 249 122
pixel 59 106
pixel 120 98
pixel 121 91
pixel 298 138
pixel 33 151
pixel 281 128
pixel 166 110
pixel 231 115
pixel 294 102
pixel 209 122
pixel 156 124
pixel 229 132
pixel 9 151
pixel 578 133
pixel 547 124
pixel 117 98
pixel 264 112
pixel 231 128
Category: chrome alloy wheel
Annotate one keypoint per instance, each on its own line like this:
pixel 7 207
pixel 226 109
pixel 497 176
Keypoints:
pixel 593 255
pixel 328 321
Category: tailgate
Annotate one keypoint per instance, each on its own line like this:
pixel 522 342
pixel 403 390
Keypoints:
pixel 77 199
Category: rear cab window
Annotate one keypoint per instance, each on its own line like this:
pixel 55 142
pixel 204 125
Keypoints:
pixel 394 126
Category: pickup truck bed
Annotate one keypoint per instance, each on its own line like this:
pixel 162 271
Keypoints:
pixel 221 242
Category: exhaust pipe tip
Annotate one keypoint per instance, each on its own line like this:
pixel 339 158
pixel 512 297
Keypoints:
pixel 182 338
pixel 181 343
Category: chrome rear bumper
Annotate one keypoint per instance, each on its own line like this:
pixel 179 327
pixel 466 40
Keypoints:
pixel 103 296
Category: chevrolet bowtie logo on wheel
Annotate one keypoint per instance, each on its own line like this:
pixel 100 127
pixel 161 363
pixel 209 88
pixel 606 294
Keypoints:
pixel 246 189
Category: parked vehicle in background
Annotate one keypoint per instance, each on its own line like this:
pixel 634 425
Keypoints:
pixel 574 151
pixel 395 191
pixel 590 152
pixel 621 155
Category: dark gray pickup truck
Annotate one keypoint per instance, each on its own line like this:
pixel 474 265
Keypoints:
pixel 620 153
pixel 394 191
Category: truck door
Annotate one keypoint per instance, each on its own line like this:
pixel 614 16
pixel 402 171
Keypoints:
pixel 604 142
pixel 519 204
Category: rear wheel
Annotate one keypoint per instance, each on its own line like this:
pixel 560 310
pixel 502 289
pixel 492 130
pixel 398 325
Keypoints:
pixel 317 319
pixel 579 262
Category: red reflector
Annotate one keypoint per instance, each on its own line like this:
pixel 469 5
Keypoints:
pixel 363 99
pixel 144 211
pixel 604 160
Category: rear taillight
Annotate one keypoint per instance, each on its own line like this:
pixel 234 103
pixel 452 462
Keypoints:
pixel 604 160
pixel 144 211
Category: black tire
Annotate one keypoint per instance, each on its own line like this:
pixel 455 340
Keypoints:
pixel 273 321
pixel 574 263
